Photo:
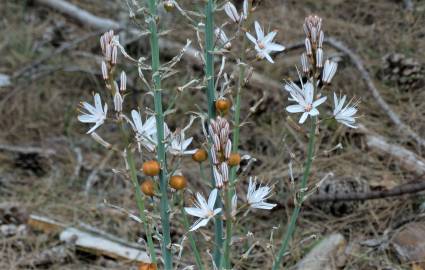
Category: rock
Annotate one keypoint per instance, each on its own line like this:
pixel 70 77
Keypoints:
pixel 329 254
pixel 409 243
pixel 9 230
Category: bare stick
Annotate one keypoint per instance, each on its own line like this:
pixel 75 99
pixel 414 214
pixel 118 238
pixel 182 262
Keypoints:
pixel 27 149
pixel 400 190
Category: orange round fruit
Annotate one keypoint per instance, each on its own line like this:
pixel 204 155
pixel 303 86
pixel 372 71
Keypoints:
pixel 200 155
pixel 148 187
pixel 223 105
pixel 147 266
pixel 234 159
pixel 178 182
pixel 151 168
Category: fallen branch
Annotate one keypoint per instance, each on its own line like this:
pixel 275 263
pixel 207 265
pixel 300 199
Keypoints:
pixel 91 241
pixel 27 149
pixel 405 189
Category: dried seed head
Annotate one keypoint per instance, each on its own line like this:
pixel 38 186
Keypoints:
pixel 151 168
pixel 123 81
pixel 178 182
pixel 200 155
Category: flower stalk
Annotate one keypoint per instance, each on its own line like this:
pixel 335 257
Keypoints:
pixel 159 115
pixel 292 222
pixel 209 73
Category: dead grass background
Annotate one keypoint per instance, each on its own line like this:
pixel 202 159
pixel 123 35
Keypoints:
pixel 40 109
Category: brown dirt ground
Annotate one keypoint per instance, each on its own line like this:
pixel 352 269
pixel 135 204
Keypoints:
pixel 40 109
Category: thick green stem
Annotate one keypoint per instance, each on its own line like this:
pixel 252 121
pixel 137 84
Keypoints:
pixel 209 73
pixel 191 237
pixel 292 222
pixel 163 181
pixel 228 206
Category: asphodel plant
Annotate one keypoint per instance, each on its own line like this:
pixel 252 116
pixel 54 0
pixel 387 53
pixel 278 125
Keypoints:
pixel 153 154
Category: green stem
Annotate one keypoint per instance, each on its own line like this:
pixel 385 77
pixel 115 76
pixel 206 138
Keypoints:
pixel 163 181
pixel 295 214
pixel 192 241
pixel 209 73
pixel 228 206
pixel 139 197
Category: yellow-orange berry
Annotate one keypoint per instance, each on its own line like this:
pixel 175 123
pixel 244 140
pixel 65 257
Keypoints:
pixel 223 105
pixel 234 159
pixel 147 266
pixel 178 182
pixel 151 168
pixel 168 6
pixel 200 155
pixel 148 187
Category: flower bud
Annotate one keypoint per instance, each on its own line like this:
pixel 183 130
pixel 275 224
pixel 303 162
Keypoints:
pixel 118 100
pixel 321 38
pixel 224 171
pixel 329 71
pixel 123 81
pixel 305 64
pixel 105 74
pixel 231 11
pixel 217 177
pixel 228 149
pixel 319 58
pixel 114 55
pixel 308 48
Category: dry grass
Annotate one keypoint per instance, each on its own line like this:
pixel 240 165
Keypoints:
pixel 40 109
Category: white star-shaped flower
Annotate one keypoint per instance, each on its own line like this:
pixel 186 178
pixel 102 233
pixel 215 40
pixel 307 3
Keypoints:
pixel 344 115
pixel 179 144
pixel 305 99
pixel 264 43
pixel 96 114
pixel 256 197
pixel 144 132
pixel 203 210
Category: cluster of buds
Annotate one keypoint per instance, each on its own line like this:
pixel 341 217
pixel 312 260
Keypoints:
pixel 221 149
pixel 108 43
pixel 312 59
pixel 313 44
pixel 110 52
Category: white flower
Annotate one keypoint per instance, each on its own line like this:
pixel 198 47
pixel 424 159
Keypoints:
pixel 95 114
pixel 179 144
pixel 304 97
pixel 222 38
pixel 144 132
pixel 203 210
pixel 256 197
pixel 231 11
pixel 329 71
pixel 263 43
pixel 344 115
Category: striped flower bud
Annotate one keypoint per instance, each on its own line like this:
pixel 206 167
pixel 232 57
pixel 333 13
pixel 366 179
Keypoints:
pixel 114 56
pixel 319 58
pixel 224 171
pixel 228 149
pixel 118 100
pixel 308 48
pixel 104 71
pixel 214 155
pixel 305 64
pixel 231 11
pixel 216 142
pixel 321 38
pixel 217 177
pixel 123 81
